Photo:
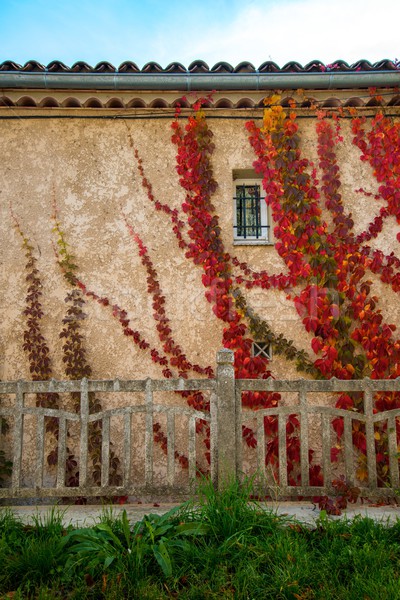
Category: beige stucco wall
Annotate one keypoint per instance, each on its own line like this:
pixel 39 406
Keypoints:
pixel 89 167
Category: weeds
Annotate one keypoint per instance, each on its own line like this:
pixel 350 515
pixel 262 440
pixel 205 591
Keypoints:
pixel 220 546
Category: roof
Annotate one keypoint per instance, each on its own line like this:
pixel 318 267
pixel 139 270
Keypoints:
pixel 199 66
pixel 106 86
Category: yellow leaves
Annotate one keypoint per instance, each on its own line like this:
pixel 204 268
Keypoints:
pixel 385 470
pixel 200 115
pixel 377 435
pixel 273 118
pixel 274 115
pixel 362 473
pixel 270 100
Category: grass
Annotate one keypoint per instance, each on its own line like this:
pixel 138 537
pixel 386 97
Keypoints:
pixel 220 546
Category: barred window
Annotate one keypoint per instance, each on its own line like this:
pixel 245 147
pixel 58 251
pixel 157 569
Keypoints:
pixel 250 211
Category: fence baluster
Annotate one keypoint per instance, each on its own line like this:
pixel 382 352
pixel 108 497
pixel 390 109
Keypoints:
pixel 214 438
pixel 61 453
pixel 192 449
pixel 127 448
pixel 393 452
pixel 261 448
pixel 39 451
pixel 18 435
pixel 83 459
pixel 326 450
pixel 304 461
pixel 171 447
pixel 149 440
pixel 105 451
pixel 283 478
pixel 348 449
pixel 370 439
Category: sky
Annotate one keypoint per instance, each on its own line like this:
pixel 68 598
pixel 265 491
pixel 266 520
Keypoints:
pixel 168 31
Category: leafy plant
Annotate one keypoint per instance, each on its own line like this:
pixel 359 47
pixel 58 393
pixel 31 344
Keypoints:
pixel 202 555
pixel 346 492
pixel 120 547
pixel 30 555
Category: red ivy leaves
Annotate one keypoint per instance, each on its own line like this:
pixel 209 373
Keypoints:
pixel 336 304
pixel 194 151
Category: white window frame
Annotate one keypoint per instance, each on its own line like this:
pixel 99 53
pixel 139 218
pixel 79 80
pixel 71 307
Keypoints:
pixel 265 237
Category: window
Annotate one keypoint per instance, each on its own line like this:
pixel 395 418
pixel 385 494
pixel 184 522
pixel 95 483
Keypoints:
pixel 262 349
pixel 250 212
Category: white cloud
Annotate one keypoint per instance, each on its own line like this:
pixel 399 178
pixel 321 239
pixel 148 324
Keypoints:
pixel 302 30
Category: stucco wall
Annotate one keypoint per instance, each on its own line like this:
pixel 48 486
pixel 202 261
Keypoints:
pixel 88 166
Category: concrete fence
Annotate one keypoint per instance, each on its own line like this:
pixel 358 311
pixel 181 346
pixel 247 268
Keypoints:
pixel 230 457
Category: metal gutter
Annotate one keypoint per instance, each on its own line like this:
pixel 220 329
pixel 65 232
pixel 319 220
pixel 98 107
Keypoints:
pixel 187 82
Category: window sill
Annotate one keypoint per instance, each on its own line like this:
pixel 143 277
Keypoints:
pixel 260 242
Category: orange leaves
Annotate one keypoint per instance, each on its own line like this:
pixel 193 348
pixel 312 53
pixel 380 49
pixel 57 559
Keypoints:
pixel 270 100
pixel 349 367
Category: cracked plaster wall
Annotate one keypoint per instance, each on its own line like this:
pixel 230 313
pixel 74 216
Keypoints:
pixel 89 167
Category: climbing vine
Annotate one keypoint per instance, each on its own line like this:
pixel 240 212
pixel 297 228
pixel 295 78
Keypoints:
pixel 329 261
pixel 76 365
pixel 37 351
pixel 327 276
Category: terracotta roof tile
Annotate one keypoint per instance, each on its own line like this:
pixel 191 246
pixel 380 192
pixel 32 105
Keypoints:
pixel 81 67
pixel 315 66
pixel 387 65
pixel 152 67
pixel 175 67
pixel 222 67
pixel 9 65
pixel 269 67
pixel 104 67
pixel 199 66
pixel 128 67
pixel 292 67
pixel 245 67
pixel 57 66
pixel 32 65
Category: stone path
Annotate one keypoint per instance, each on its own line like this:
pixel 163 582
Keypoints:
pixel 304 512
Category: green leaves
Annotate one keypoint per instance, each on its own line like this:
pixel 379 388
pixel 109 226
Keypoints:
pixel 162 557
pixel 156 537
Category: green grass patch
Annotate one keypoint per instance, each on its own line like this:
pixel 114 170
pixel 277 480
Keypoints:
pixel 220 546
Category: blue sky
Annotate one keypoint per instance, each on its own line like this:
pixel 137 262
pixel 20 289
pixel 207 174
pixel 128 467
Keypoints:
pixel 211 30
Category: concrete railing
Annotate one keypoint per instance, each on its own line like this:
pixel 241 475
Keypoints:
pixel 229 457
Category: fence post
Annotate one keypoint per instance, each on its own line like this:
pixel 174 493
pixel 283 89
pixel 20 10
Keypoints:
pixel 226 419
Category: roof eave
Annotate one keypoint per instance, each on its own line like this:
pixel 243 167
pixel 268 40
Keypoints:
pixel 187 82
